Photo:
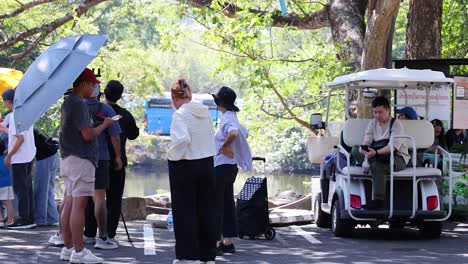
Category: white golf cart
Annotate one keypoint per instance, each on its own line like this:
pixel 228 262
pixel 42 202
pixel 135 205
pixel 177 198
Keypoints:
pixel 412 195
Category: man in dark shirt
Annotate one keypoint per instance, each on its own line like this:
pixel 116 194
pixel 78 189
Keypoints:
pixel 453 137
pixel 79 151
pixel 113 93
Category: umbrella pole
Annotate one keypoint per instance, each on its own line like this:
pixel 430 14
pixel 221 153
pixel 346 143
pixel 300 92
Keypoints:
pixel 125 225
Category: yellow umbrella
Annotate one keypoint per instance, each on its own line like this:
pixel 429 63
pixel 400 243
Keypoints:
pixel 9 79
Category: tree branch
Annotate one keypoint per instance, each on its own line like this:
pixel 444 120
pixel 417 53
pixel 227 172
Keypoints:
pixel 25 7
pixel 283 102
pixel 314 20
pixel 262 108
pixel 18 56
pixel 48 28
pixel 251 56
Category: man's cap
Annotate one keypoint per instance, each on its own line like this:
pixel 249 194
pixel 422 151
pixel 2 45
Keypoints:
pixel 437 122
pixel 409 112
pixel 226 98
pixel 114 90
pixel 8 95
pixel 88 76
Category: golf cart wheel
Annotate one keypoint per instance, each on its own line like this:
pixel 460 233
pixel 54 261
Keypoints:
pixel 431 229
pixel 252 237
pixel 241 235
pixel 270 233
pixel 340 227
pixel 321 218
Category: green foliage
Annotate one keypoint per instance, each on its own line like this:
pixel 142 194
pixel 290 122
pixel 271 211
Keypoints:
pixel 278 73
pixel 273 63
pixel 399 35
pixel 460 189
pixel 455 33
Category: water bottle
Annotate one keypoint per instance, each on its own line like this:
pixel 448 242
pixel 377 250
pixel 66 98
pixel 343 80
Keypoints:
pixel 365 165
pixel 170 221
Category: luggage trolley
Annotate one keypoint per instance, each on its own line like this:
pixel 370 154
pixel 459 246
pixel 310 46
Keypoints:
pixel 252 208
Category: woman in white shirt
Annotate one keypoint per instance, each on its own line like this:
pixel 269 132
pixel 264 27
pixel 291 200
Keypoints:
pixel 232 150
pixel 192 178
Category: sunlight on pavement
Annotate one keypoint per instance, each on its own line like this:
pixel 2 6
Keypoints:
pixel 307 235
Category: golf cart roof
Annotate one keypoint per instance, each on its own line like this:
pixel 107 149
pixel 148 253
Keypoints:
pixel 392 79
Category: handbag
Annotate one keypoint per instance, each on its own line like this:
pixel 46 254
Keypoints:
pixel 376 145
pixel 318 146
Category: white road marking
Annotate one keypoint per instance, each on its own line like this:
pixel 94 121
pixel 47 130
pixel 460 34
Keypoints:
pixel 150 244
pixel 281 240
pixel 306 235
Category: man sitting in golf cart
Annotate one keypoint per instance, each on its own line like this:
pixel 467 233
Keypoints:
pixel 376 147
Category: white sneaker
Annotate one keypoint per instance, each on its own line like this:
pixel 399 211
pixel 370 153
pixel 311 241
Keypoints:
pixel 65 254
pixel 105 244
pixel 2 224
pixel 85 256
pixel 89 240
pixel 56 240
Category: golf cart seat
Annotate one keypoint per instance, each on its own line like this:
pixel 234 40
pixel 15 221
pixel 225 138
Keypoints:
pixel 421 130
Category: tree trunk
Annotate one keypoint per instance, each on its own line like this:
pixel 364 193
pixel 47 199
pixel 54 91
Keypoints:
pixel 380 15
pixel 423 31
pixel 346 19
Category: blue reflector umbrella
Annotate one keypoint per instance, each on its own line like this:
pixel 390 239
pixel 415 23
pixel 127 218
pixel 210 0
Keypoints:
pixel 51 74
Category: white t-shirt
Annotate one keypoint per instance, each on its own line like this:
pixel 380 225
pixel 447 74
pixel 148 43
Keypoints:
pixel 27 150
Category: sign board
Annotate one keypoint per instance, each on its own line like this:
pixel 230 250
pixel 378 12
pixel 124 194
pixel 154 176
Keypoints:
pixel 460 103
pixel 438 103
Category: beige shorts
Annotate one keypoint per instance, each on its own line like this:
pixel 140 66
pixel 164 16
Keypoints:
pixel 6 193
pixel 78 176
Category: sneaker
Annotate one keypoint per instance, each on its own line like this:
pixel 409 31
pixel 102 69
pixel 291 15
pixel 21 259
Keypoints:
pixel 65 254
pixel 227 248
pixel 89 240
pixel 56 240
pixel 105 244
pixel 219 250
pixel 85 256
pixel 2 224
pixel 22 224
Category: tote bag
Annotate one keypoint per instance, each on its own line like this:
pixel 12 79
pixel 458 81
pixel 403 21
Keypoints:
pixel 318 146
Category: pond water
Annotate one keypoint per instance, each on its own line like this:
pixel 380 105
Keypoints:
pixel 147 181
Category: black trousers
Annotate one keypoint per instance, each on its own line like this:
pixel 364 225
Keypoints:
pixel 225 207
pixel 23 188
pixel 193 208
pixel 114 199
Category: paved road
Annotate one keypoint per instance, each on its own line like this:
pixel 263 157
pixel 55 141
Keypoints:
pixel 303 244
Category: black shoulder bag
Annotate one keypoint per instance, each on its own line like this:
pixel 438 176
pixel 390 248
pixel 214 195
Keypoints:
pixel 376 145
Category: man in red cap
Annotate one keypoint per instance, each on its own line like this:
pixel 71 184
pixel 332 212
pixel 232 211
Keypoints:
pixel 79 151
